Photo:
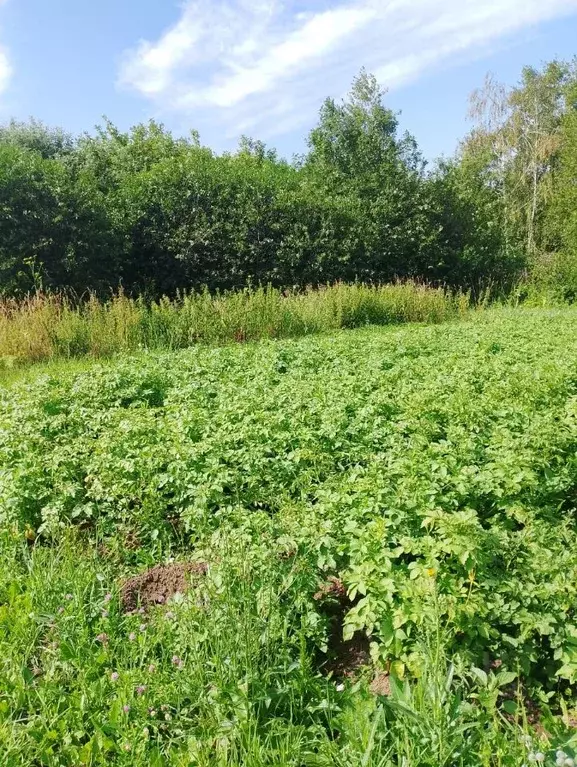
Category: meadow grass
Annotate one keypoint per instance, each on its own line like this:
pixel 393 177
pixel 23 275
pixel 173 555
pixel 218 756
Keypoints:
pixel 45 327
pixel 223 677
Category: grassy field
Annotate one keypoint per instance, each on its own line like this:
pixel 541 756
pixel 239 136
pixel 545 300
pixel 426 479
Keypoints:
pixel 352 549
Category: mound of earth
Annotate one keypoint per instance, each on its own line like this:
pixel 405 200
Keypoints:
pixel 381 684
pixel 157 585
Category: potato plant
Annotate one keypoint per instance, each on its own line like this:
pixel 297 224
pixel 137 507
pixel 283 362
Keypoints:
pixel 430 469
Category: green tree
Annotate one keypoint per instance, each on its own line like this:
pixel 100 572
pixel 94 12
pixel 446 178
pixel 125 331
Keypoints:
pixel 48 142
pixel 355 145
pixel 518 137
pixel 559 268
pixel 54 231
pixel 357 154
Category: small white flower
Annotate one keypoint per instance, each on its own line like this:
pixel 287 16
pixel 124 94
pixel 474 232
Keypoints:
pixel 340 687
pixel 539 757
pixel 569 762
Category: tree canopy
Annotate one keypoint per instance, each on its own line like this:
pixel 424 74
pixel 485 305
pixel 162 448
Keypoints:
pixel 154 213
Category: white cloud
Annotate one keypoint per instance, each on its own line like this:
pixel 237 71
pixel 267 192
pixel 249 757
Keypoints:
pixel 265 65
pixel 5 67
pixel 5 70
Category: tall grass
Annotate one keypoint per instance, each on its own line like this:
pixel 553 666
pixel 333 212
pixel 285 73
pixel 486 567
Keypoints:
pixel 46 327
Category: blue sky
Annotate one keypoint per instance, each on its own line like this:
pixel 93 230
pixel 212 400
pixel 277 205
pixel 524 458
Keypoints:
pixel 263 67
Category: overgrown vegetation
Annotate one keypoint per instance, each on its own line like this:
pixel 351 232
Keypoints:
pixel 429 470
pixel 48 327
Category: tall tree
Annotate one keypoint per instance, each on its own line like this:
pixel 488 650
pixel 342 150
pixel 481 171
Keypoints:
pixel 518 137
pixel 356 144
pixel 355 152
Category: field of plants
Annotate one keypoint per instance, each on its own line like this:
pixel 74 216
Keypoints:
pixel 356 549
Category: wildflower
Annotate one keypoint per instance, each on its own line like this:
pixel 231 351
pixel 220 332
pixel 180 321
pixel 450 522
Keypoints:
pixel 132 636
pixel 340 687
pixel 178 662
pixel 126 747
pixel 167 717
pixel 539 756
pixel 142 627
pixel 107 597
pixel 141 689
pixel 102 638
pixel 169 615
pixel 126 708
pixel 60 610
pixel 146 732
pixel 151 712
pixel 151 668
pixel 569 762
pixel 114 676
pixel 69 597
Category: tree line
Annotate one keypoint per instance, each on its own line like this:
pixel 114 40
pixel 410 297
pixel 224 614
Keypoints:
pixel 156 214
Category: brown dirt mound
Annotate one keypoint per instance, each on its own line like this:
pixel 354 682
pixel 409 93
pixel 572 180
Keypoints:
pixel 381 684
pixel 333 590
pixel 158 584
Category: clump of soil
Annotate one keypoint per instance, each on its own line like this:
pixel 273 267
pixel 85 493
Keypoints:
pixel 333 592
pixel 157 585
pixel 346 659
pixel 381 684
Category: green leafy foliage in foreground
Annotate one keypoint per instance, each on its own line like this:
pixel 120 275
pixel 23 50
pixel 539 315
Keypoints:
pixel 432 469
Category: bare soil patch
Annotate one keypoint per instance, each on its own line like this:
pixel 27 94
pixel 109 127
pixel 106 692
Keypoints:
pixel 157 585
pixel 345 658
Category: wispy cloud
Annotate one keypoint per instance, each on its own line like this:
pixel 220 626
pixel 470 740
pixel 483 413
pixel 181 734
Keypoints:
pixel 5 70
pixel 5 66
pixel 265 65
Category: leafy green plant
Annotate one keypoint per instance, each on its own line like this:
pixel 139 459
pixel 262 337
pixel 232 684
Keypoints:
pixel 427 470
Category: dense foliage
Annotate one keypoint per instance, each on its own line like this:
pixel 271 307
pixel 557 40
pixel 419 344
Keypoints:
pixel 430 469
pixel 155 214
pixel 474 424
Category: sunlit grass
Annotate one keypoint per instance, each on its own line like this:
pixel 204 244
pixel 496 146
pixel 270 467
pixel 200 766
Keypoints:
pixel 46 326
